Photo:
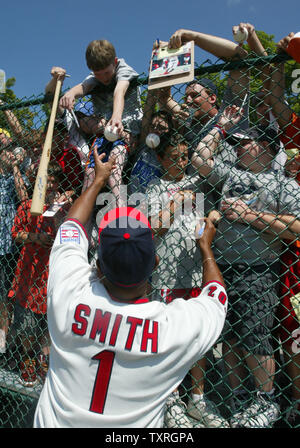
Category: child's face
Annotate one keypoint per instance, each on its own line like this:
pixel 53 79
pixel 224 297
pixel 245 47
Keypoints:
pixel 106 75
pixel 52 184
pixel 158 126
pixel 175 161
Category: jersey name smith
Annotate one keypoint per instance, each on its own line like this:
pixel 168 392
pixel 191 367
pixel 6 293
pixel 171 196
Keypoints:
pixel 104 327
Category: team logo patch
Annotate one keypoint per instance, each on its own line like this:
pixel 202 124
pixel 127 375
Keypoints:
pixel 69 235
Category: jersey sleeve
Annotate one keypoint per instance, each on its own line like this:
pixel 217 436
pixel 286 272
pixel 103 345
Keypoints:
pixel 69 255
pixel 197 322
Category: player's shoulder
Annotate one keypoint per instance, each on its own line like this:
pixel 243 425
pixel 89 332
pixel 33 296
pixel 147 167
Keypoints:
pixel 72 231
pixel 215 290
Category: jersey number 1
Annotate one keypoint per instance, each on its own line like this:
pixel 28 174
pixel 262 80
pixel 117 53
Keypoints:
pixel 105 359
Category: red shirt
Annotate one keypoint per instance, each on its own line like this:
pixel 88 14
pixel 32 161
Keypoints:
pixel 69 160
pixel 29 286
pixel 291 139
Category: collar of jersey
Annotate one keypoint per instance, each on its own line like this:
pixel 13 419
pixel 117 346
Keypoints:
pixel 135 301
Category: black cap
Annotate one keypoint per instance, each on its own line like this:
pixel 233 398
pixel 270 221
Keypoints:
pixel 257 134
pixel 206 83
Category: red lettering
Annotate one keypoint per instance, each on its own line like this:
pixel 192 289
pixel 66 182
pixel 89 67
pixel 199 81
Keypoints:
pixel 115 330
pixel 212 290
pixel 222 297
pixel 134 322
pixel 83 323
pixel 100 325
pixel 152 336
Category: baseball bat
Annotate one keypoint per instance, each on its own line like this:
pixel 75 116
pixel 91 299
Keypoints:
pixel 40 186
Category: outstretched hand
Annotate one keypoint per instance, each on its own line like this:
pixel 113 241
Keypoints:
pixel 58 73
pixel 208 234
pixel 235 210
pixel 103 169
pixel 230 116
pixel 178 38
pixel 284 43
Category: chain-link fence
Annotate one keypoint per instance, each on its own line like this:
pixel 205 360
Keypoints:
pixel 220 142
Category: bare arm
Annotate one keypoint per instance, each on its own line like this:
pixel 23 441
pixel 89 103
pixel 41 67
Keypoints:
pixel 283 226
pixel 219 47
pixel 20 184
pixel 211 271
pixel 149 109
pixel 67 101
pixel 56 73
pixel 280 108
pixel 118 105
pixel 202 158
pixel 82 208
pixel 167 102
pixel 239 79
pixel 13 121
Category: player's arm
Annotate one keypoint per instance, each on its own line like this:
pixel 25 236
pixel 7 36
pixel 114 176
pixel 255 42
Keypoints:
pixel 82 208
pixel 118 105
pixel 211 271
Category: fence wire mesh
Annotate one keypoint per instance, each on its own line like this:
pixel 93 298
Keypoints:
pixel 245 180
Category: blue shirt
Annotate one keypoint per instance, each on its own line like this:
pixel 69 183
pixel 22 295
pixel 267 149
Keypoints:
pixel 8 207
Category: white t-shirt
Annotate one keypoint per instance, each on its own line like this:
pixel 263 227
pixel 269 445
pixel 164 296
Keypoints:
pixel 268 191
pixel 112 363
pixel 180 263
pixel 75 137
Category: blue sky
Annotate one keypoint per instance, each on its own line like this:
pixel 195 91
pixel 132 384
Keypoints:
pixel 35 35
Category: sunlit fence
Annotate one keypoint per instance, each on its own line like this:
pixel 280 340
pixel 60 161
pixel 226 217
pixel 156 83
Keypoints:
pixel 258 350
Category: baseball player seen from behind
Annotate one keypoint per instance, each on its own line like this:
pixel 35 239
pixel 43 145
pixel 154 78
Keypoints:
pixel 115 355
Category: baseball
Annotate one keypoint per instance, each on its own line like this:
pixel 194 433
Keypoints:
pixel 111 134
pixel 241 35
pixel 152 140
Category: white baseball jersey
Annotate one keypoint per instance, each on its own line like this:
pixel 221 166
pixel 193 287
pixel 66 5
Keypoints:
pixel 113 363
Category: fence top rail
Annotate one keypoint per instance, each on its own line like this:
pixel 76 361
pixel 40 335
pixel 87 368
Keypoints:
pixel 203 69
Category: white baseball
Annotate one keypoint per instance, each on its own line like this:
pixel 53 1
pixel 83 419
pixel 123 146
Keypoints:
pixel 241 35
pixel 152 140
pixel 111 134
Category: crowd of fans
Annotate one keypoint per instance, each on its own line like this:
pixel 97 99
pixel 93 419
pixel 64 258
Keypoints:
pixel 248 174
